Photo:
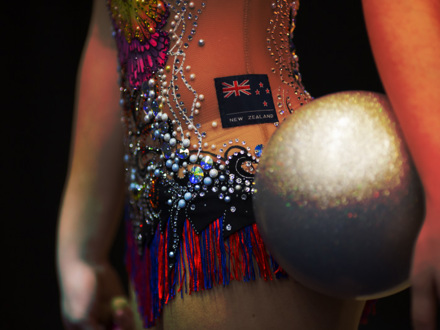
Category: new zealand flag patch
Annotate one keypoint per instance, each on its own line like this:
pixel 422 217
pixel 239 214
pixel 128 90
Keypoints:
pixel 245 100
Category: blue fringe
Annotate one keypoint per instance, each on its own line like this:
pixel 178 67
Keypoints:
pixel 216 259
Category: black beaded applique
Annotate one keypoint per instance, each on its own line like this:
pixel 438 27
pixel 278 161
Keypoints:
pixel 168 182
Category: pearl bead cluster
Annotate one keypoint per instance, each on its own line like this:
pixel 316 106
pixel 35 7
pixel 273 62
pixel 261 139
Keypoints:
pixel 160 144
pixel 183 28
pixel 162 154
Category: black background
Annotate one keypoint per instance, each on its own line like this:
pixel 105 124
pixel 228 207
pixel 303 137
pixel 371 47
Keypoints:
pixel 41 46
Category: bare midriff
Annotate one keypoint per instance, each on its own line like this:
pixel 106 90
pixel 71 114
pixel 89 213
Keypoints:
pixel 259 304
pixel 235 43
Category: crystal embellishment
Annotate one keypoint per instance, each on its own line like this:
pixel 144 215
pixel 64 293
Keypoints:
pixel 206 163
pixel 196 175
pixel 259 150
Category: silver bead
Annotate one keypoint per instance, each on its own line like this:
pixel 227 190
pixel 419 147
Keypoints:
pixel 193 158
pixel 186 143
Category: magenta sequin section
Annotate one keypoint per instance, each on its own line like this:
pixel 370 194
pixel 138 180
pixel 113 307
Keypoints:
pixel 139 60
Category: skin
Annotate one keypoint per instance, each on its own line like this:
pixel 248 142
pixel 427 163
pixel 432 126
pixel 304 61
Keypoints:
pixel 94 190
pixel 92 202
pixel 405 38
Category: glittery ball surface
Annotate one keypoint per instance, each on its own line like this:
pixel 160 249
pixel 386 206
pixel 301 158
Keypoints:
pixel 337 196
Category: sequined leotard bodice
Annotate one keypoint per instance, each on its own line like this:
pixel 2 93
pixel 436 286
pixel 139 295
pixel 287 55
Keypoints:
pixel 190 220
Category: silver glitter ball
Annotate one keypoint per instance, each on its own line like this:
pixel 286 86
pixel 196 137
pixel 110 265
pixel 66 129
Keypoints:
pixel 337 198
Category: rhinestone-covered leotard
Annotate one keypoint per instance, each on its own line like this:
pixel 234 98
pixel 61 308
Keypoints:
pixel 190 220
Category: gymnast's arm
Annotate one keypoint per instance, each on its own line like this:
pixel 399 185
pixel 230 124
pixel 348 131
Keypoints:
pixel 93 197
pixel 405 38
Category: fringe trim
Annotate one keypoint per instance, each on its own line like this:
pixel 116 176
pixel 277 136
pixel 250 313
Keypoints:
pixel 210 261
pixel 368 312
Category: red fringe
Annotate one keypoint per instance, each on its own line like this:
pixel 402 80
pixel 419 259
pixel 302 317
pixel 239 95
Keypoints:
pixel 369 310
pixel 217 249
pixel 262 256
pixel 160 259
pixel 210 261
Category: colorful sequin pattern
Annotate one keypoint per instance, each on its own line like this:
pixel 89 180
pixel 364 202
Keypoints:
pixel 141 43
pixel 186 202
pixel 138 19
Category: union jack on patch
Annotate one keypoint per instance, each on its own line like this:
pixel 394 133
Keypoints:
pixel 236 88
pixel 245 100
